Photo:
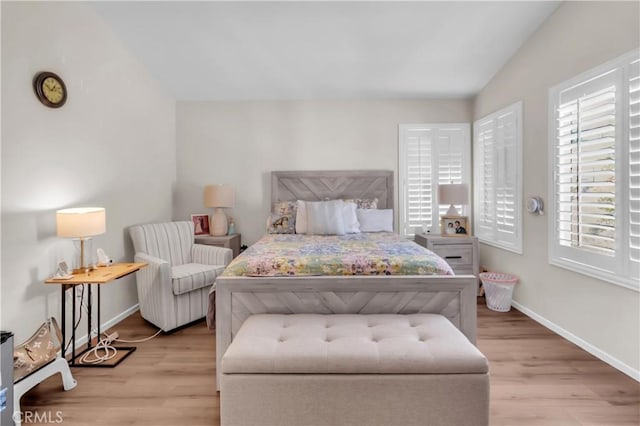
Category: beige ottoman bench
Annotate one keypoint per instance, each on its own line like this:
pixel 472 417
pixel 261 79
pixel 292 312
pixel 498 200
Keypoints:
pixel 317 370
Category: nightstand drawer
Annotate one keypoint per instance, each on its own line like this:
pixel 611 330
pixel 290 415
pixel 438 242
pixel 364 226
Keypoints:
pixel 463 270
pixel 459 252
pixel 455 255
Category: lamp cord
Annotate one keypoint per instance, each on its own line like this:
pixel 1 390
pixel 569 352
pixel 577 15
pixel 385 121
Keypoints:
pixel 103 351
pixel 138 341
pixel 75 326
pixel 104 346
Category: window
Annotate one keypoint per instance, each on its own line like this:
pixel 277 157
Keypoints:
pixel 430 154
pixel 497 153
pixel 594 148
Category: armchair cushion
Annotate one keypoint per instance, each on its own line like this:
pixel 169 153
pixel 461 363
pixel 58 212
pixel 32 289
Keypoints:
pixel 193 276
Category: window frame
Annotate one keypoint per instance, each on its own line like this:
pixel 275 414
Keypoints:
pixel 616 269
pixel 517 245
pixel 465 128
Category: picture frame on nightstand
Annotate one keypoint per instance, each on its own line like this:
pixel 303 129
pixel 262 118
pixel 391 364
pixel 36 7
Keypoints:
pixel 200 224
pixel 455 226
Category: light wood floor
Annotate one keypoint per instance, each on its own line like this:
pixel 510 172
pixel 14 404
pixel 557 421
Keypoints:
pixel 537 378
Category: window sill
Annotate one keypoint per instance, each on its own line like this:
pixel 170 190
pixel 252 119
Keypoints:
pixel 516 250
pixel 608 276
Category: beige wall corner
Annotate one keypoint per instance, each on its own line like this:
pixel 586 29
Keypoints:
pixel 601 317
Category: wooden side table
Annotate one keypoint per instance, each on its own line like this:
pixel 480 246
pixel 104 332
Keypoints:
pixel 98 276
pixel 461 253
pixel 228 241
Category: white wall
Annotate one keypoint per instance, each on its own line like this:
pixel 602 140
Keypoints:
pixel 111 145
pixel 241 142
pixel 602 317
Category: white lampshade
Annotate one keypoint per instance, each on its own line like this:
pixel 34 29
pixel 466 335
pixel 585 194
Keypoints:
pixel 81 222
pixel 453 193
pixel 219 196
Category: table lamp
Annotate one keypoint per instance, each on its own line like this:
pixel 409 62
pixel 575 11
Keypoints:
pixel 81 223
pixel 219 197
pixel 453 193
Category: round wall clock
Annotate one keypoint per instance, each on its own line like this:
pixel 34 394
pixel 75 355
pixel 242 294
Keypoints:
pixel 50 89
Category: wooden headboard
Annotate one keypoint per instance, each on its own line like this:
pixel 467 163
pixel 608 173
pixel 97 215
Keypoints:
pixel 333 184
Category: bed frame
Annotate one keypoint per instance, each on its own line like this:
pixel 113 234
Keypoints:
pixel 237 298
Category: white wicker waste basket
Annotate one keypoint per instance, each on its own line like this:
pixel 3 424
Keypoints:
pixel 498 289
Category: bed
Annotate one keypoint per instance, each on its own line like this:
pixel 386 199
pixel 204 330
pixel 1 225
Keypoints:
pixel 240 294
pixel 366 253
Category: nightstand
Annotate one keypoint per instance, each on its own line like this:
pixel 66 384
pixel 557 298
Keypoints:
pixel 227 241
pixel 459 252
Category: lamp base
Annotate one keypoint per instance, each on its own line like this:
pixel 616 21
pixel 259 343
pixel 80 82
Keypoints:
pixel 83 268
pixel 452 211
pixel 219 223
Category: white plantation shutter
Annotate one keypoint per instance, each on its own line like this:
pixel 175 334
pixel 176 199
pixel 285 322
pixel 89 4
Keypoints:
pixel 453 162
pixel 507 164
pixel 585 170
pixel 595 155
pixel 498 178
pixel 634 168
pixel 419 189
pixel 484 168
pixel 429 154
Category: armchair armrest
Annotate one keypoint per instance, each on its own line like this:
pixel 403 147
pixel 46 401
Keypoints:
pixel 157 273
pixel 155 294
pixel 211 255
pixel 154 262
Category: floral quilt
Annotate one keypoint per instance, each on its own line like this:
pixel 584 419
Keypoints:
pixel 381 253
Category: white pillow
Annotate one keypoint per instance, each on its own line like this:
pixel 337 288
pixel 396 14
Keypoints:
pixel 325 217
pixel 301 217
pixel 351 224
pixel 375 220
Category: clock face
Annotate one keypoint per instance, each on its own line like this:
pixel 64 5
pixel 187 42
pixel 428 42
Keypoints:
pixel 50 89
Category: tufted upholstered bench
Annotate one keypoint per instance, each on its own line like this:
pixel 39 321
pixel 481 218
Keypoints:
pixel 309 369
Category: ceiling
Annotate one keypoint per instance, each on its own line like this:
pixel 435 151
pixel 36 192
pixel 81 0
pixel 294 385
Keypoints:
pixel 323 50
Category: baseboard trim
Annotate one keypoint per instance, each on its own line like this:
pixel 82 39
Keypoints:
pixel 106 325
pixel 598 353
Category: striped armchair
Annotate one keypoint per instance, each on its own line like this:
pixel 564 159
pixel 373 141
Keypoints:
pixel 173 289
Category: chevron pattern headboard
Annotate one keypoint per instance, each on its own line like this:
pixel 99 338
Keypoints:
pixel 333 184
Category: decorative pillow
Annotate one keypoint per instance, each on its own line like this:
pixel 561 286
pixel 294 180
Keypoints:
pixel 301 217
pixel 325 217
pixel 39 350
pixel 351 224
pixel 281 224
pixel 375 220
pixel 364 203
pixel 285 207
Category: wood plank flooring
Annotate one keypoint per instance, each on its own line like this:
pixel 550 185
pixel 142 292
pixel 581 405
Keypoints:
pixel 537 378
